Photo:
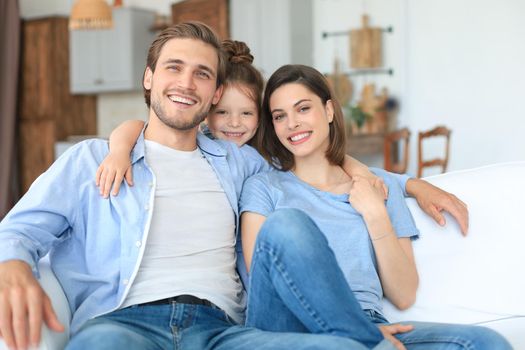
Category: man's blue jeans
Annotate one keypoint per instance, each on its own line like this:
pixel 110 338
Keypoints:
pixel 296 285
pixel 188 327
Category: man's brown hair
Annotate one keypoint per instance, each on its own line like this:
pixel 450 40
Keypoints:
pixel 186 30
pixel 267 141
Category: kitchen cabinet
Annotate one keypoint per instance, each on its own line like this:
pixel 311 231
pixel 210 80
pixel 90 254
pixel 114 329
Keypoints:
pixel 112 59
pixel 47 110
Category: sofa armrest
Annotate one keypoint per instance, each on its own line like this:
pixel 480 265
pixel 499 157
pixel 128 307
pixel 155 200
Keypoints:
pixel 52 340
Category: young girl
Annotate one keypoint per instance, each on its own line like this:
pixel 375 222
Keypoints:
pixel 354 249
pixel 236 117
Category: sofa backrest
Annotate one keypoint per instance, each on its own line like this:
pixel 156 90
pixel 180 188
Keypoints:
pixel 479 277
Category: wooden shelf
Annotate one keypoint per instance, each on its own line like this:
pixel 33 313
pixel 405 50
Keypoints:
pixel 364 144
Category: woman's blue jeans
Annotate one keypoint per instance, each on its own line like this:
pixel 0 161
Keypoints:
pixel 296 285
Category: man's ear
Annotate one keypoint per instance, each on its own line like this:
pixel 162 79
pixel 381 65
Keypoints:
pixel 330 110
pixel 217 95
pixel 148 75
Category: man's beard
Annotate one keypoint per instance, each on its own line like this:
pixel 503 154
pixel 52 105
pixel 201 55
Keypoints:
pixel 179 124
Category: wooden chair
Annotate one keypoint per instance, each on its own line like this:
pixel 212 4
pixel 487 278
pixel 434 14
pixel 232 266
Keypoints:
pixel 392 142
pixel 442 162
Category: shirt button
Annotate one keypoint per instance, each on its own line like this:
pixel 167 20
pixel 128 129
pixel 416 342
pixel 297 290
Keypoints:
pixel 125 282
pixel 146 207
pixel 138 244
pixel 150 184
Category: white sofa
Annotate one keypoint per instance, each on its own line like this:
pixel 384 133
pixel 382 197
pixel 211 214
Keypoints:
pixel 477 279
pixel 472 280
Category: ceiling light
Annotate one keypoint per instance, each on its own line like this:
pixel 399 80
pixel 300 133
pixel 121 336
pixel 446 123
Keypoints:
pixel 90 14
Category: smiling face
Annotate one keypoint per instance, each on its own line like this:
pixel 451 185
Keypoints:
pixel 183 85
pixel 301 120
pixel 235 118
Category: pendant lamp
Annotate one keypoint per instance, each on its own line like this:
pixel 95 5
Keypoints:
pixel 90 14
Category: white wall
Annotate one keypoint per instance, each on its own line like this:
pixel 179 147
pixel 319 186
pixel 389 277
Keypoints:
pixel 466 70
pixel 344 15
pixel 458 63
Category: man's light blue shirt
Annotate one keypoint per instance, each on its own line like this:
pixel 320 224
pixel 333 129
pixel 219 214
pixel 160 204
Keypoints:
pixel 95 245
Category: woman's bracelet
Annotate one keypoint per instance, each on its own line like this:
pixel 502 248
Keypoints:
pixel 380 237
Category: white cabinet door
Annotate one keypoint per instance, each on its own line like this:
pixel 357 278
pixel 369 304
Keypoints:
pixel 112 59
pixel 85 64
pixel 115 49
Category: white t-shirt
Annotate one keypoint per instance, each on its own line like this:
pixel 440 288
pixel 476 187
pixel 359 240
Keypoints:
pixel 190 247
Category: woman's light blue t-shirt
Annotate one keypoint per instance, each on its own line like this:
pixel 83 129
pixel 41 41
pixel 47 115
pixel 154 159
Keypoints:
pixel 343 226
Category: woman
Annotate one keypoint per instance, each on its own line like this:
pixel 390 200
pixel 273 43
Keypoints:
pixel 318 274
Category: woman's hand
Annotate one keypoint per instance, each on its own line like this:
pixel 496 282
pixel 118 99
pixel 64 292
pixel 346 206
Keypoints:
pixel 112 171
pixel 391 329
pixel 354 168
pixel 366 196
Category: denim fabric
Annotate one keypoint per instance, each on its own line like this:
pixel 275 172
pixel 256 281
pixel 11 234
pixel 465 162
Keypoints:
pixel 296 285
pixel 443 336
pixel 188 327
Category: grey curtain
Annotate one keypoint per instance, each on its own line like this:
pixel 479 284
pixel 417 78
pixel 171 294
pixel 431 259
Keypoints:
pixel 9 63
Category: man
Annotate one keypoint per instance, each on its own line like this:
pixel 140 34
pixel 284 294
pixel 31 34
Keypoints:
pixel 154 267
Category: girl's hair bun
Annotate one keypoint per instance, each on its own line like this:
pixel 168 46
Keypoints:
pixel 237 52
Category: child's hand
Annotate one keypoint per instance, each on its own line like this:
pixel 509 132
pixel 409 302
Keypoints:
pixel 388 331
pixel 112 172
pixel 434 201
